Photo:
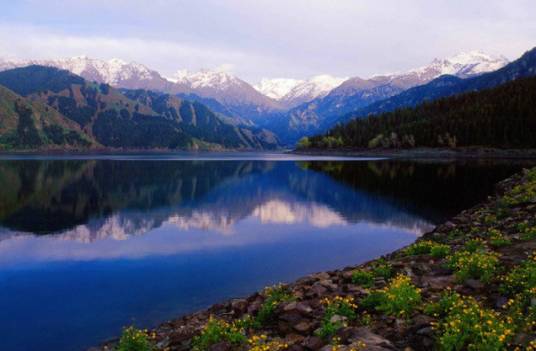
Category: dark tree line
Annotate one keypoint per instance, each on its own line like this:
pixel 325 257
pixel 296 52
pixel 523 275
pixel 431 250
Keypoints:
pixel 502 117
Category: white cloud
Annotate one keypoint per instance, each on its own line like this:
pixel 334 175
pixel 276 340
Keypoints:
pixel 270 38
pixel 28 42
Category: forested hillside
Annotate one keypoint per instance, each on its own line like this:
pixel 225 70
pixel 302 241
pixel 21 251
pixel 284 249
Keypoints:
pixel 132 120
pixel 29 125
pixel 502 117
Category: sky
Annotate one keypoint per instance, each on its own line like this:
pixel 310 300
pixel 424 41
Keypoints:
pixel 257 39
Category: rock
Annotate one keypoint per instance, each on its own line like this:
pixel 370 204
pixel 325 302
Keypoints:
pixel 221 346
pixel 328 284
pixel 303 327
pixel 254 307
pixel 373 341
pixel 313 343
pixel 500 301
pixel 438 283
pixel 338 319
pixel 421 321
pixel 426 331
pixel 239 306
pixel 294 338
pixel 301 307
pixel 317 289
pixel 291 317
pixel 321 276
pixel 474 284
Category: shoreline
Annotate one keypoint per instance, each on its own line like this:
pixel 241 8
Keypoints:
pixel 425 153
pixel 504 225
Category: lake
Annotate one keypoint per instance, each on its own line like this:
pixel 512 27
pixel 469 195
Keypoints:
pixel 91 243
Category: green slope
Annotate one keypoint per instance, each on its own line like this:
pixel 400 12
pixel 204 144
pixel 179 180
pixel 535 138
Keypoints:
pixel 135 119
pixel 502 117
pixel 30 125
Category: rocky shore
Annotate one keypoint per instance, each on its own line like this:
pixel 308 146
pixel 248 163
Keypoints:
pixel 468 284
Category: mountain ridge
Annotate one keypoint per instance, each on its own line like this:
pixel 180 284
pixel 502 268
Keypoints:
pixel 117 121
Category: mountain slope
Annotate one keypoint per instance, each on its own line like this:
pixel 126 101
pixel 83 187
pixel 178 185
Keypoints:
pixel 115 72
pixel 444 86
pixel 293 92
pixel 28 125
pixel 234 94
pixel 501 117
pixel 200 122
pixel 356 93
pixel 118 121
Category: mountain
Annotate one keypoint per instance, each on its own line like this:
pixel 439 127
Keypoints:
pixel 240 98
pixel 30 125
pixel 448 85
pixel 200 122
pixel 236 95
pixel 277 88
pixel 292 92
pixel 500 117
pixel 356 93
pixel 114 72
pixel 115 120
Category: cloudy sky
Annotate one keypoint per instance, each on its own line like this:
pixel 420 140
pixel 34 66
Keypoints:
pixel 267 38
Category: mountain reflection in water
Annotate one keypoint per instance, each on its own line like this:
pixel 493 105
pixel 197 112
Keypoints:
pixel 92 245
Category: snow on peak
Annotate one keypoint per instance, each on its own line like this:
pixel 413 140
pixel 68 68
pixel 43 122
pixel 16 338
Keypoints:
pixel 205 78
pixel 277 88
pixel 112 72
pixel 295 91
pixel 464 64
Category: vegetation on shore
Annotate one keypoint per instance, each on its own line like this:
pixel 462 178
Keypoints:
pixel 468 285
pixel 502 117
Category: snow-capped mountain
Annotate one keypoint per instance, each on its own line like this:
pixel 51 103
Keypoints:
pixel 116 72
pixel 277 88
pixel 230 91
pixel 282 105
pixel 355 93
pixel 462 65
pixel 294 92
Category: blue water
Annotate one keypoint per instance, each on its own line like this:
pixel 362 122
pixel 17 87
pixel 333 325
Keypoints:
pixel 89 244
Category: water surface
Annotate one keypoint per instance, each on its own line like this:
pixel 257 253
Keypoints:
pixel 90 243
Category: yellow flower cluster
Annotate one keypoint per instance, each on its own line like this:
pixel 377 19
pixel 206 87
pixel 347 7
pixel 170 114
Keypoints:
pixel 401 297
pixel 135 339
pixel 480 328
pixel 478 265
pixel 261 343
pixel 428 247
pixel 339 301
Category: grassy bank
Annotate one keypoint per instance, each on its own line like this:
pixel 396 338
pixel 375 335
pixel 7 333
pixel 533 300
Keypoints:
pixel 468 285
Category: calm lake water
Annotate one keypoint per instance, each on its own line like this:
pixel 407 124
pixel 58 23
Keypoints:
pixel 89 244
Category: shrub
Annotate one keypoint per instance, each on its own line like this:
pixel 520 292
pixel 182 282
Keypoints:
pixel 528 234
pixel 477 265
pixel 442 307
pixel 363 278
pixel 401 297
pixel 216 331
pixel 474 245
pixel 337 311
pixel 521 193
pixel 521 278
pixel 273 297
pixel 382 268
pixel 469 326
pixel 428 247
pixel 372 300
pixel 134 339
pixel 261 343
pixel 497 239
